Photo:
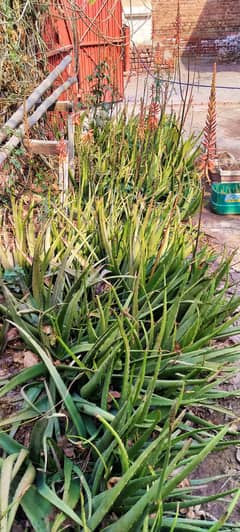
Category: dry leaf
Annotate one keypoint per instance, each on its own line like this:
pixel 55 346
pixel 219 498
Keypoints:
pixel 67 447
pixel 3 373
pixel 30 359
pixel 191 514
pixel 113 395
pixel 18 357
pixel 12 334
pixel 47 329
pixel 184 484
pixel 112 482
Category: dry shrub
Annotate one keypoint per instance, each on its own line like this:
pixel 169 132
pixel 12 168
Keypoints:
pixel 22 62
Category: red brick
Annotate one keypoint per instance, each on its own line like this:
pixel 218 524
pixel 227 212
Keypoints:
pixel 202 23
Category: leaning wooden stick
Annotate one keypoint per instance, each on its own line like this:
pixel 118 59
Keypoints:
pixel 34 97
pixel 33 119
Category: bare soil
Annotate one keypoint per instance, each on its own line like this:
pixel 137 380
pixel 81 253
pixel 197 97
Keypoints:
pixel 222 234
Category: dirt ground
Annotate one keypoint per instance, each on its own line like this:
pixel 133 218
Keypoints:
pixel 222 233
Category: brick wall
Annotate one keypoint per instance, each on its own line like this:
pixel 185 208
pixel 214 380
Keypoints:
pixel 146 58
pixel 202 23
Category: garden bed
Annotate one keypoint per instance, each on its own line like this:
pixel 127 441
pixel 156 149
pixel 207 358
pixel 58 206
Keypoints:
pixel 120 301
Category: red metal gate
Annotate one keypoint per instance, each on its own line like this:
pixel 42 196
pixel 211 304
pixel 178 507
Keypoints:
pixel 92 32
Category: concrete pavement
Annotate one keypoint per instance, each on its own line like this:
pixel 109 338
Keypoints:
pixel 228 99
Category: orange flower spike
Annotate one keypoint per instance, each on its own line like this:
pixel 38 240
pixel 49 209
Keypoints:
pixel 77 119
pixel 88 137
pixel 153 119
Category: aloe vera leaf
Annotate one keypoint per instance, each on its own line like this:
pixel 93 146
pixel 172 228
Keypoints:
pixel 88 388
pixel 112 494
pixel 127 521
pixel 53 499
pixel 37 509
pixel 5 485
pixel 9 445
pixel 23 486
pixel 62 389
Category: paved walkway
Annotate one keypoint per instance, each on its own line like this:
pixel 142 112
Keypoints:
pixel 228 100
pixel 222 232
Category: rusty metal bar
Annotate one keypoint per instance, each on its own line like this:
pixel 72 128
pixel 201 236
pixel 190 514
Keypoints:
pixel 117 41
pixel 61 50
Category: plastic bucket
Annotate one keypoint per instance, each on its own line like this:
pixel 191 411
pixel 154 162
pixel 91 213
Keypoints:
pixel 225 198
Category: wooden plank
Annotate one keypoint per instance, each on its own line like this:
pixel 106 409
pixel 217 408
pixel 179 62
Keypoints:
pixel 71 161
pixel 43 147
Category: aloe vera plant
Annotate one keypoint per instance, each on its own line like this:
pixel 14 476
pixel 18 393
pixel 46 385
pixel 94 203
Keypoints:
pixel 120 312
pixel 133 158
pixel 116 336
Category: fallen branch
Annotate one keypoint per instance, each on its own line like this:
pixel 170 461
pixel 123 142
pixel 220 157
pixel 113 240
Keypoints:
pixel 34 97
pixel 33 119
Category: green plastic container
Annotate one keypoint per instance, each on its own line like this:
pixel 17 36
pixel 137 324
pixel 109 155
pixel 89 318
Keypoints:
pixel 225 198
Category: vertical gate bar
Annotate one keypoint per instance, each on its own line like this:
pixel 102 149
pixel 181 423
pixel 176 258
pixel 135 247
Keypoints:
pixel 126 51
pixel 63 177
pixel 60 178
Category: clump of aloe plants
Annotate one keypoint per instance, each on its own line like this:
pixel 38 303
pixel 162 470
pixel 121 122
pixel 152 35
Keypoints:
pixel 146 154
pixel 119 308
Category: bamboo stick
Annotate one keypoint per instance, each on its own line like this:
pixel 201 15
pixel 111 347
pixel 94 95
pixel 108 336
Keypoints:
pixel 33 119
pixel 34 97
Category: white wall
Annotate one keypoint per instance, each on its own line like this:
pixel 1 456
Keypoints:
pixel 138 15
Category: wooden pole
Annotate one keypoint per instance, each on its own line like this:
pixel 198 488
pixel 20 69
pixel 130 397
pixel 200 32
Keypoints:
pixel 71 161
pixel 34 97
pixel 33 119
pixel 63 177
